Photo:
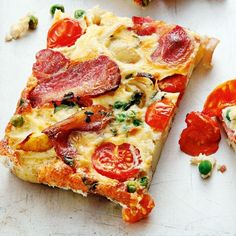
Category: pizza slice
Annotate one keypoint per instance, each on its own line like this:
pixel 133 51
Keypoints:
pixel 99 104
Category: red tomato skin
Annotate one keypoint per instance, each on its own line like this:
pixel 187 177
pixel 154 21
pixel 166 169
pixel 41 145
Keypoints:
pixel 134 214
pixel 202 135
pixel 138 20
pixel 63 33
pixel 174 47
pixel 159 113
pixel 143 25
pixel 125 165
pixel 222 96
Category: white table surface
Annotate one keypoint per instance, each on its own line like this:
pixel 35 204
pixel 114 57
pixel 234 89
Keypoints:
pixel 185 204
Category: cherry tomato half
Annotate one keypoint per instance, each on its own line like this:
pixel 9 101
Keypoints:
pixel 116 161
pixel 202 135
pixel 222 96
pixel 63 33
pixel 159 113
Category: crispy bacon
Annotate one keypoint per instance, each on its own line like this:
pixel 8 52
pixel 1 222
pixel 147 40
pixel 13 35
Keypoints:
pixel 90 78
pixel 173 47
pixel 92 118
pixel 48 63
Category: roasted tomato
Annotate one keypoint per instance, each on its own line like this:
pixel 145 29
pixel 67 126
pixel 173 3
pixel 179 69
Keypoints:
pixel 116 161
pixel 159 113
pixel 222 96
pixel 143 25
pixel 174 47
pixel 134 214
pixel 173 84
pixel 63 33
pixel 202 135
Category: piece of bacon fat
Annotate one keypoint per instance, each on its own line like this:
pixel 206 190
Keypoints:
pixel 92 118
pixel 89 78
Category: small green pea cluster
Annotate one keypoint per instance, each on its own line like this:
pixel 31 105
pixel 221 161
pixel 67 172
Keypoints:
pixel 133 185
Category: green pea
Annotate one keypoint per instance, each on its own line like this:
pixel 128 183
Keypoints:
pixel 120 117
pixel 78 13
pixel 118 104
pixel 205 167
pixel 227 114
pixel 17 120
pixel 131 188
pixel 33 22
pixel 144 181
pixel 137 122
pixel 56 7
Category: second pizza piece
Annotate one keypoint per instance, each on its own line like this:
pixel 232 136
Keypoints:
pixel 99 104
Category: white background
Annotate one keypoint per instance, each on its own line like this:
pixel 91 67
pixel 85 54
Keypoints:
pixel 185 204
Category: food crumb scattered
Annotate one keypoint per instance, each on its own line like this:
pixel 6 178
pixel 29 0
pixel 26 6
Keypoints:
pixel 19 29
pixel 222 168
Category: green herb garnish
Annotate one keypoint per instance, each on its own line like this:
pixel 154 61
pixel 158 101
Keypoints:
pixel 135 99
pixel 144 181
pixel 131 114
pixel 78 13
pixel 56 7
pixel 68 160
pixel 120 117
pixel 227 114
pixel 60 107
pixel 137 122
pixel 118 104
pixel 128 76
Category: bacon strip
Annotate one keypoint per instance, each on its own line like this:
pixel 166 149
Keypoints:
pixel 48 63
pixel 92 118
pixel 90 78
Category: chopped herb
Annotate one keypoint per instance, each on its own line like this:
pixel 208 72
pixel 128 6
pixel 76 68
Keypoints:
pixel 78 13
pixel 128 76
pixel 144 181
pixel 135 99
pixel 69 95
pixel 131 114
pixel 68 160
pixel 137 122
pixel 131 188
pixel 60 107
pixel 88 113
pixel 118 104
pixel 88 116
pixel 205 167
pixel 120 117
pixel 227 115
pixel 88 119
pixel 33 22
pixel 22 101
pixel 56 7
pixel 17 120
pixel 114 131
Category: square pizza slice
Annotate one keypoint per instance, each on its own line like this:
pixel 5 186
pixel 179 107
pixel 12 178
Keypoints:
pixel 99 104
